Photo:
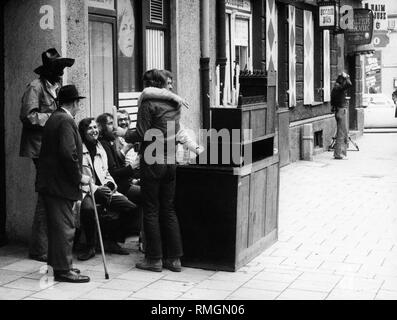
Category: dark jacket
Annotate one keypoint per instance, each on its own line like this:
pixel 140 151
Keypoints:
pixel 37 106
pixel 156 114
pixel 60 161
pixel 338 95
pixel 122 174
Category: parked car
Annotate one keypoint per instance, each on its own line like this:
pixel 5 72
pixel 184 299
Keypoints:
pixel 380 111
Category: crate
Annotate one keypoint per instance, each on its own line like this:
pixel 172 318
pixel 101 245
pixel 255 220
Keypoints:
pixel 255 121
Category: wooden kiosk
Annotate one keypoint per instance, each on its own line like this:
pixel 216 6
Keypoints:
pixel 229 213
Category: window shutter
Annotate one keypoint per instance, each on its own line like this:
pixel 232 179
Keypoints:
pixel 271 36
pixel 157 11
pixel 327 67
pixel 308 29
pixel 155 47
pixel 292 56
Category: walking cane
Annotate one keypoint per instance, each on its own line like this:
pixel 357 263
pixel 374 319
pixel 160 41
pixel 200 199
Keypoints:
pixel 99 233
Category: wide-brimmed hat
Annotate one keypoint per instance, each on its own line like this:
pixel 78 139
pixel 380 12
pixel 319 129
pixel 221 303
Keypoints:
pixel 52 61
pixel 68 93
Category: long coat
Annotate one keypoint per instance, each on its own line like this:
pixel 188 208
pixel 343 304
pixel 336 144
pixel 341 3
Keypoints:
pixel 60 161
pixel 37 106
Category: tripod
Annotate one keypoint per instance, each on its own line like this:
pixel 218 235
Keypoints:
pixel 332 146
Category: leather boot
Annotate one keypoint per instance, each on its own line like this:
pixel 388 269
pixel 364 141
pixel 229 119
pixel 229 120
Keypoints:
pixel 148 264
pixel 173 265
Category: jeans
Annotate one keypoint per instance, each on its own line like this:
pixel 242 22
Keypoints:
pixel 342 137
pixel 160 223
pixel 39 238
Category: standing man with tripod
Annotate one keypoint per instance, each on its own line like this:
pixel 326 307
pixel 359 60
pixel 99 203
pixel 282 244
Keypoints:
pixel 339 107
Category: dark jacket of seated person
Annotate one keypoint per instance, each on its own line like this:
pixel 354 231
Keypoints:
pixel 123 174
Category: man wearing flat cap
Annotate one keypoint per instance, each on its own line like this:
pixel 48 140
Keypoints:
pixel 38 103
pixel 58 182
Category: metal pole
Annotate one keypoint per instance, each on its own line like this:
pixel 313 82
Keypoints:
pixel 99 233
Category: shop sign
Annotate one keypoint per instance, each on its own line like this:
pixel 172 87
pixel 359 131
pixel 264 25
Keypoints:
pixel 239 4
pixel 362 29
pixel 379 11
pixel 328 14
pixel 102 4
pixel 381 40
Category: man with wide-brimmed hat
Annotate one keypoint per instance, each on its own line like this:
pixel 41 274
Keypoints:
pixel 38 103
pixel 59 180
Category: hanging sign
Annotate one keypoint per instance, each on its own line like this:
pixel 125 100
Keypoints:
pixel 102 4
pixel 328 13
pixel 362 29
pixel 381 40
pixel 378 8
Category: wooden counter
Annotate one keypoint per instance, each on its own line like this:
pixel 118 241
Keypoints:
pixel 228 216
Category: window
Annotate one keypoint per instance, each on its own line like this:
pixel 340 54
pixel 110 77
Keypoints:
pixel 127 37
pixel 156 34
pixel 238 44
pixel 101 37
pixel 317 61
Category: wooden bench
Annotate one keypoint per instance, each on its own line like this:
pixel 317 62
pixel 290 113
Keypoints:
pixel 129 101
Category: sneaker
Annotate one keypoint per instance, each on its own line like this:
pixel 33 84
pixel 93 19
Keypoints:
pixel 147 264
pixel 173 264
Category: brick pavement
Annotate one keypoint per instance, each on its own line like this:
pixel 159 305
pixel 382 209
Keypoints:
pixel 338 240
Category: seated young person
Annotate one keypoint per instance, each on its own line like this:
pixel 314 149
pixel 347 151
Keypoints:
pixel 125 174
pixel 95 166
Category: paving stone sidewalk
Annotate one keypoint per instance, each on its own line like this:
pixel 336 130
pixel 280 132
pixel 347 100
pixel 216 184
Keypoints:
pixel 337 240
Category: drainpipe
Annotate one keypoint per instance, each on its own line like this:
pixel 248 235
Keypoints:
pixel 221 58
pixel 205 63
pixel 3 196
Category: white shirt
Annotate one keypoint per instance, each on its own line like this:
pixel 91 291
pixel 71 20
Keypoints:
pixel 52 88
pixel 68 112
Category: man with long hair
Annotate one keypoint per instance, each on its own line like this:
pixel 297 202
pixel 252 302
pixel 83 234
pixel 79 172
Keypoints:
pixel 159 120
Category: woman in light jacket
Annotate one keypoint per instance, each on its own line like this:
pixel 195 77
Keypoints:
pixel 117 206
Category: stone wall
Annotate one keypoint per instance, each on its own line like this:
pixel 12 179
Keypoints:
pixel 25 40
pixel 326 124
pixel 30 29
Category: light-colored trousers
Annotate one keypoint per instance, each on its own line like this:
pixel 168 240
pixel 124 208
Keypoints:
pixel 341 143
